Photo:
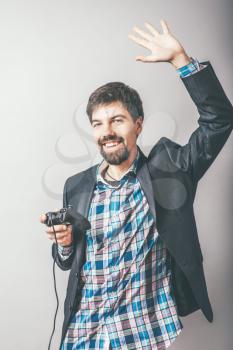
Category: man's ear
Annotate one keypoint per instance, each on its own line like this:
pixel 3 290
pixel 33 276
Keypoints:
pixel 139 123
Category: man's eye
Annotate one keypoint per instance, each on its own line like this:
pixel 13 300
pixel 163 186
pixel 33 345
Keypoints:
pixel 118 120
pixel 94 125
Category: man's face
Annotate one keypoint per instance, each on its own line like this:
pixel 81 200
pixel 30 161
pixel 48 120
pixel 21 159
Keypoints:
pixel 115 132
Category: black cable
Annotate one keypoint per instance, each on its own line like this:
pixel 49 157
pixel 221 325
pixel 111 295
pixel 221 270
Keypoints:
pixel 55 286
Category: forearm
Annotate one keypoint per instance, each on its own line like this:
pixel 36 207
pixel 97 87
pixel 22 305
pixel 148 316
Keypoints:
pixel 209 97
pixel 215 120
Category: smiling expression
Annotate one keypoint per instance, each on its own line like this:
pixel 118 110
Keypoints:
pixel 115 132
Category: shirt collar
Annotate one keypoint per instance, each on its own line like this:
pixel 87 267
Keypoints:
pixel 103 165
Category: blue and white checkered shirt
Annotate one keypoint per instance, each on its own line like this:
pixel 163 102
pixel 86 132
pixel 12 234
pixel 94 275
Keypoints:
pixel 126 300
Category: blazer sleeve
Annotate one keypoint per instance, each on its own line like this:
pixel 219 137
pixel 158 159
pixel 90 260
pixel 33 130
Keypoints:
pixel 215 124
pixel 63 264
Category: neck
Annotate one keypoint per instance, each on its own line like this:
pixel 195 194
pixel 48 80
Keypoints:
pixel 117 171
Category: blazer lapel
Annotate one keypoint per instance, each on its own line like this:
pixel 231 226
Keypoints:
pixel 143 176
pixel 82 204
pixel 86 188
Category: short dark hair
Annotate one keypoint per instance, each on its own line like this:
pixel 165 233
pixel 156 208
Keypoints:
pixel 114 92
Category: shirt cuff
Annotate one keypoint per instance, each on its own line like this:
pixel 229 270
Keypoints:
pixel 65 252
pixel 191 68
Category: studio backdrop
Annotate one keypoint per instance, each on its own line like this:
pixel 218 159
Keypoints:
pixel 53 54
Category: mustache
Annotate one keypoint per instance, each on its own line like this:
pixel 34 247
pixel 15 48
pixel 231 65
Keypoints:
pixel 109 138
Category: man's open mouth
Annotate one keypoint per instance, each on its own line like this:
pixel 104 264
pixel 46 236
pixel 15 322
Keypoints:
pixel 111 144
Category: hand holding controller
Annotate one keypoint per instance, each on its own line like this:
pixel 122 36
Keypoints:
pixel 61 222
pixel 59 229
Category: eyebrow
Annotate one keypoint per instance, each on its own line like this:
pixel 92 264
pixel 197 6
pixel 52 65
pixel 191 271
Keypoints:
pixel 115 116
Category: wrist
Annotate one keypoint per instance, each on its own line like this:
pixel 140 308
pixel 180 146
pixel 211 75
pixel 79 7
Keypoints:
pixel 180 60
pixel 190 68
pixel 68 245
pixel 64 250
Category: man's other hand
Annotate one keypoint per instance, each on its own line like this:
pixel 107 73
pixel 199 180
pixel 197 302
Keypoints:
pixel 164 47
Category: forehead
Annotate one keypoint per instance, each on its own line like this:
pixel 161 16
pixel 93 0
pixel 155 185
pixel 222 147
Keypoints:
pixel 110 110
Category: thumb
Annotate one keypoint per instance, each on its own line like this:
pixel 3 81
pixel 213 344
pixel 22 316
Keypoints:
pixel 145 59
pixel 42 218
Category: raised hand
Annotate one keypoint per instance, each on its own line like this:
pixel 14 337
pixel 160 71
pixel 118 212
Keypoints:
pixel 164 47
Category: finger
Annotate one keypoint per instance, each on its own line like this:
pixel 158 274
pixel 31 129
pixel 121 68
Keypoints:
pixel 151 29
pixel 69 228
pixel 64 242
pixel 58 235
pixel 143 34
pixel 164 25
pixel 57 228
pixel 51 236
pixel 139 41
pixel 141 58
pixel 61 241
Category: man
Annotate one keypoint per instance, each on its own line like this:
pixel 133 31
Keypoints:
pixel 140 265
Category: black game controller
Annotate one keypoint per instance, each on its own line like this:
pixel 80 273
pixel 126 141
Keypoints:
pixel 67 216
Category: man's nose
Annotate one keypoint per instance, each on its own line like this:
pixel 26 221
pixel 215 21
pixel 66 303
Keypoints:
pixel 108 130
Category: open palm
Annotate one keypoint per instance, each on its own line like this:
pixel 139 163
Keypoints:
pixel 163 46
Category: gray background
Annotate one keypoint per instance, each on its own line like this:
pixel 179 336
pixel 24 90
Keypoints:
pixel 53 54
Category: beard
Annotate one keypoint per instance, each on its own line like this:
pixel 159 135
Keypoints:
pixel 115 157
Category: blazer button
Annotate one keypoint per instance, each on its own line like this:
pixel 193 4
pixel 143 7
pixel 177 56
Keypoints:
pixel 76 274
pixel 70 307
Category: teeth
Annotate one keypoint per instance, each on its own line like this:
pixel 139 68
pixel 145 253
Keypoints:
pixel 111 144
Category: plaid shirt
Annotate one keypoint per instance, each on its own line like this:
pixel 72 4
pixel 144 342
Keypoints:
pixel 126 300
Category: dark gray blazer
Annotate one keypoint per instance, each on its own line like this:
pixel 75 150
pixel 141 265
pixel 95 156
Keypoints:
pixel 169 178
